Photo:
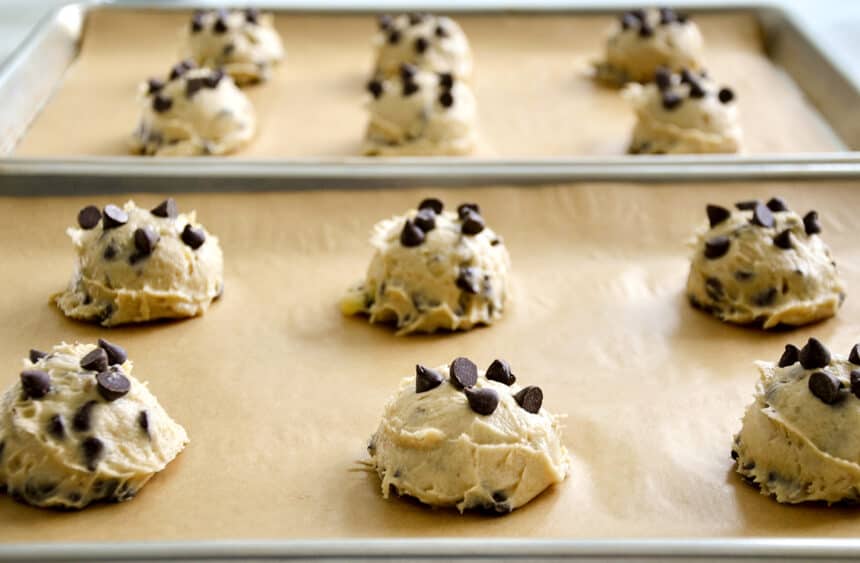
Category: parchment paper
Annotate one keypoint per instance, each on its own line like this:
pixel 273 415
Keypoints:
pixel 280 393
pixel 534 96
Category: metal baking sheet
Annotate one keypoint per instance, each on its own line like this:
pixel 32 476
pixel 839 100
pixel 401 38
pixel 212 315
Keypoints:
pixel 833 95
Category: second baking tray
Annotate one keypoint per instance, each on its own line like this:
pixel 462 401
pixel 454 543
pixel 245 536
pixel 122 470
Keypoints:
pixel 540 113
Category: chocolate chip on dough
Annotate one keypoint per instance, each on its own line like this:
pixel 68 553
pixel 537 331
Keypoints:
pixel 783 240
pixel 814 355
pixel 116 354
pixel 777 204
pixel 89 217
pixel 143 422
pixel 82 421
pixel 790 357
pixel 467 282
pixel 472 224
pixel 213 79
pixel 36 383
pixel 96 360
pixel 375 88
pixel 113 385
pixel 464 373
pixel 748 205
pixel 717 214
pixel 114 217
pixel 716 247
pixel 810 223
pixel 252 15
pixel 394 37
pixel 482 401
pixel 671 100
pixel 425 219
pixel 220 24
pixel 193 237
pixel 145 239
pixel 56 428
pixel 663 78
pixel 432 203
pixel 762 216
pixel 194 85
pixel 421 45
pixel 92 449
pixel 426 379
pixel 464 208
pixel 854 355
pixel 384 21
pixel 824 386
pixel 161 103
pixel 167 209
pixel 411 235
pixel 500 371
pixel 530 398
pixel 440 31
pixel 409 87
pixel 446 99
pixel 36 355
pixel 726 95
pixel 446 80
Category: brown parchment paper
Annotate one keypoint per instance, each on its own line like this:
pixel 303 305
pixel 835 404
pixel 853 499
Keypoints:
pixel 280 393
pixel 534 96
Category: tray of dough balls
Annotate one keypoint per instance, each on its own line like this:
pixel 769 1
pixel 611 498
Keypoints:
pixel 335 89
pixel 556 368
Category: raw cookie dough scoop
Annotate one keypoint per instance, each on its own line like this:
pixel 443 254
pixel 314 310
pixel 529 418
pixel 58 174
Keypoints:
pixel 135 265
pixel 242 43
pixel 431 43
pixel 457 436
pixel 433 270
pixel 763 264
pixel 196 111
pixel 78 428
pixel 684 113
pixel 800 439
pixel 644 40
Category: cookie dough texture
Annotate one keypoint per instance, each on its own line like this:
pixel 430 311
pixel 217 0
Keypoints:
pixel 431 43
pixel 113 284
pixel 756 281
pixel 417 289
pixel 421 113
pixel 43 457
pixel 644 40
pixel 433 447
pixel 690 115
pixel 796 447
pixel 196 111
pixel 242 43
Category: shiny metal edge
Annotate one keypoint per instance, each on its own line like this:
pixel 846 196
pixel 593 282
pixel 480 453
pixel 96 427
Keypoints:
pixel 747 549
pixel 61 31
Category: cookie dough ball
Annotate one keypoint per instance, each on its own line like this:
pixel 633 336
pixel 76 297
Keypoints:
pixel 431 43
pixel 684 113
pixel 798 442
pixel 763 264
pixel 78 428
pixel 135 265
pixel 644 40
pixel 420 113
pixel 433 270
pixel 243 43
pixel 457 436
pixel 196 111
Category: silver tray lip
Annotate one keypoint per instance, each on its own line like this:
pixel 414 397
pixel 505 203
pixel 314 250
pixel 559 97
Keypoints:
pixel 801 165
pixel 748 549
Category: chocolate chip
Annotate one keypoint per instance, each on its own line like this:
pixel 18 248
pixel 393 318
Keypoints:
pixel 194 85
pixel 193 237
pixel 432 203
pixel 143 422
pixel 824 386
pixel 114 217
pixel 743 276
pixel 734 454
pixel 716 247
pixel 161 103
pixel 82 420
pixel 36 355
pixel 96 360
pixel 415 18
pixel 116 354
pixel 482 401
pixel 426 379
pixel 663 78
pixel 783 240
pixel 696 90
pixel 252 15
pixel 854 355
pixel 714 288
pixel 35 383
pixel 411 235
pixel 855 383
pixel 500 371
pixel 748 205
pixel 777 204
pixel 384 21
pixel 717 214
pixel 196 23
pixel 409 88
pixel 145 239
pixel 89 217
pixel 629 21
pixel 425 220
pixel 110 252
pixel 220 24
pixel 56 427
pixel 467 282
pixel 154 85
pixel 766 297
pixel 464 208
pixel 181 68
pixel 394 37
pixel 441 31
pixel 681 18
pixel 464 373
pixel 810 223
pixel 421 45
pixel 166 209
pixel 112 385
pixel 530 398
pixel 472 224
pixel 814 355
pixel 92 449
pixel 667 16
pixel 671 100
pixel 446 99
pixel 726 95
pixel 375 88
pixel 762 216
pixel 213 78
pixel 646 30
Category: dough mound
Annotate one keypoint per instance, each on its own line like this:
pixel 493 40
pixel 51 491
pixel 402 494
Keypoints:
pixel 798 442
pixel 71 436
pixel 646 39
pixel 433 270
pixel 420 113
pixel 196 111
pixel 763 264
pixel 242 43
pixel 431 43
pixel 489 446
pixel 156 264
pixel 684 113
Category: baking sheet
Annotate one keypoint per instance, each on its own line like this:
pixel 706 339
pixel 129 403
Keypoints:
pixel 280 393
pixel 535 99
